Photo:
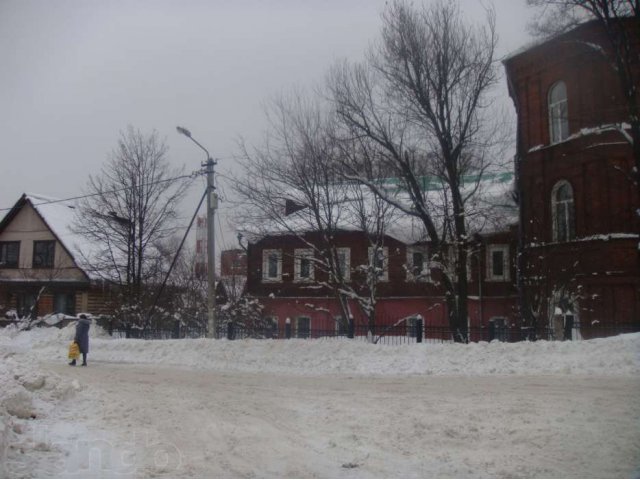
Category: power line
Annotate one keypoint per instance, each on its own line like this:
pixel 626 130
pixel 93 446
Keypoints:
pixel 192 176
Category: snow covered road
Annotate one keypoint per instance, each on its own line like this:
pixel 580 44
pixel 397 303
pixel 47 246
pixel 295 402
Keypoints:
pixel 159 421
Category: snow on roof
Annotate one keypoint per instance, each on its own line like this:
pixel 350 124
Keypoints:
pixel 491 209
pixel 60 216
pixel 539 41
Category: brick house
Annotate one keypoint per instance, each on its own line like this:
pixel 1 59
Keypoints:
pixel 41 268
pixel 291 289
pixel 233 275
pixel 579 230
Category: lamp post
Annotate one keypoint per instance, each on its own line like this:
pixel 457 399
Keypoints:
pixel 212 204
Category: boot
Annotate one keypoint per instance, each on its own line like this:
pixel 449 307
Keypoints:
pixel 73 362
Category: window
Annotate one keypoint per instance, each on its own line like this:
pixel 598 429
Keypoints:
pixel 9 254
pixel 303 265
pixel 344 262
pixel 303 327
pixel 271 326
pixel 64 303
pixel 43 253
pixel 412 326
pixel 558 113
pixel 498 329
pixel 379 260
pixel 562 211
pixel 565 324
pixel 417 264
pixel 272 265
pixel 26 305
pixel 342 327
pixel 498 263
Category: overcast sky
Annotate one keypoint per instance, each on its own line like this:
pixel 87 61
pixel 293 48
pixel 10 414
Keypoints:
pixel 73 74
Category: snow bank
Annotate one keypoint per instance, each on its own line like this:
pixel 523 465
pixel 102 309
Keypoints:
pixel 34 442
pixel 341 356
pixel 606 356
pixel 27 397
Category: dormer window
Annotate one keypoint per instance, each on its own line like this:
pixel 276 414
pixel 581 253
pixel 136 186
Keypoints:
pixel 558 113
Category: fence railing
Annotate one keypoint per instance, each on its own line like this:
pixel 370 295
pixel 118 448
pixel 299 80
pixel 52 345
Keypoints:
pixel 415 332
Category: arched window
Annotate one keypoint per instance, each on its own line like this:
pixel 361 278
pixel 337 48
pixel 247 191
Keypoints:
pixel 558 112
pixel 562 209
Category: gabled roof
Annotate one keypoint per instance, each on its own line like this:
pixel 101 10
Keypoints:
pixel 58 216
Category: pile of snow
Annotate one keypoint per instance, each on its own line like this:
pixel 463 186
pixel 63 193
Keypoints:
pixel 27 396
pixel 618 355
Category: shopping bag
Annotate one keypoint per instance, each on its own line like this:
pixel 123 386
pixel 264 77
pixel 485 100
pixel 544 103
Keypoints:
pixel 74 351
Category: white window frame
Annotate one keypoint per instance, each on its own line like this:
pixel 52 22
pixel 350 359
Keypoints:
pixel 385 262
pixel 425 273
pixel 558 114
pixel 297 332
pixel 298 254
pixel 265 265
pixel 506 263
pixel 569 213
pixel 346 274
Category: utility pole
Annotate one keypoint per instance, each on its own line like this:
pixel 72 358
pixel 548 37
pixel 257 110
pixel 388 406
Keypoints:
pixel 212 205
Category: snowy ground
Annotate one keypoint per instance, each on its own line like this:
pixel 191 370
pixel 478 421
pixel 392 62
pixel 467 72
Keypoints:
pixel 319 408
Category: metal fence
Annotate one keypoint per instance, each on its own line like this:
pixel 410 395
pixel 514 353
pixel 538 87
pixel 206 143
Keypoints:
pixel 404 333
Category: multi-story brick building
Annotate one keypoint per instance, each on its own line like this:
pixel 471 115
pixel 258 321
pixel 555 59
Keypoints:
pixel 578 199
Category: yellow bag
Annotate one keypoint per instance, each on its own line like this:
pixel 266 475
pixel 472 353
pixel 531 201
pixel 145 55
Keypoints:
pixel 74 351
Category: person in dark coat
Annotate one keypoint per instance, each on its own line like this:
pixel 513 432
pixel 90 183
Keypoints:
pixel 82 338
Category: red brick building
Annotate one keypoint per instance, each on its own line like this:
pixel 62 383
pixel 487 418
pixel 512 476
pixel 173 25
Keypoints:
pixel 283 275
pixel 579 230
pixel 274 277
pixel 233 262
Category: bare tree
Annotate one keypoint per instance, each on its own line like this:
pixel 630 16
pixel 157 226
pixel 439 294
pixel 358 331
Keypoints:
pixel 130 210
pixel 421 99
pixel 298 166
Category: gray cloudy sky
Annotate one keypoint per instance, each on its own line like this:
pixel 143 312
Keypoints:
pixel 73 74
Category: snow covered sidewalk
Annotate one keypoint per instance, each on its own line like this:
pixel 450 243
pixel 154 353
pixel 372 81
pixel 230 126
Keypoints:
pixel 606 356
pixel 319 408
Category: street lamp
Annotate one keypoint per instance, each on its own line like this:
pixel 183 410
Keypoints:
pixel 212 204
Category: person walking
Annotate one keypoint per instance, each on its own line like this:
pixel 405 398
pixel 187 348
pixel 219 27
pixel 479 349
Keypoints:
pixel 82 338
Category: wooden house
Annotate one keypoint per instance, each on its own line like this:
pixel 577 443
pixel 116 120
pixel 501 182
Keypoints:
pixel 41 262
